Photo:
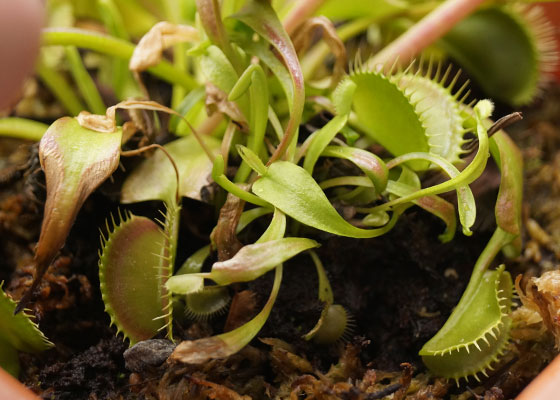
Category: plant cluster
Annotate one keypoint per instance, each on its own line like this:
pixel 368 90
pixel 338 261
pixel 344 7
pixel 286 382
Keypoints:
pixel 246 75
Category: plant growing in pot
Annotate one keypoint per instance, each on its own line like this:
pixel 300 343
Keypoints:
pixel 245 82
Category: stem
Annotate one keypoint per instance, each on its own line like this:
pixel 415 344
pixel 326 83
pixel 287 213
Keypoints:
pixel 302 11
pixel 499 239
pixel 425 32
pixel 60 89
pixel 180 62
pixel 84 82
pixel 115 47
pixel 22 128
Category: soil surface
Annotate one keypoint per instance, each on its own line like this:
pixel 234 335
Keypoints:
pixel 398 289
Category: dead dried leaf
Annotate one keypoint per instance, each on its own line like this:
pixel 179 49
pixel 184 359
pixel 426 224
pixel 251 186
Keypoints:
pixel 217 101
pixel 201 350
pixel 542 294
pixel 224 235
pixel 163 35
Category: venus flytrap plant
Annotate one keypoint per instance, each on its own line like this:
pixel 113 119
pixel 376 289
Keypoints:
pixel 248 75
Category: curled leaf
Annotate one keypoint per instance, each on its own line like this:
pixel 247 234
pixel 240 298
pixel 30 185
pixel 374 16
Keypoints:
pixel 374 168
pixel 76 160
pixel 161 36
pixel 304 34
pixel 510 194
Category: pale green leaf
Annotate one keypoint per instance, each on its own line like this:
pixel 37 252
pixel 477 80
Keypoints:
pixel 154 178
pixel 257 259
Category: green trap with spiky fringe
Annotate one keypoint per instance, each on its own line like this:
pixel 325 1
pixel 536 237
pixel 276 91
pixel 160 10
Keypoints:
pixel 477 332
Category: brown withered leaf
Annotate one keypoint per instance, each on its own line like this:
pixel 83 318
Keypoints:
pixel 283 359
pixel 215 391
pixel 542 294
pixel 76 160
pixel 107 123
pixel 224 236
pixel 163 35
pixel 201 350
pixel 242 309
pixel 217 101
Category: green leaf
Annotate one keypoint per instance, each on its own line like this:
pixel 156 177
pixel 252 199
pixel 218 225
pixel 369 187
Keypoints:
pixel 250 215
pixel 465 197
pixel 482 111
pixel 84 82
pixel 260 16
pixel 216 68
pixel 259 103
pixel 251 159
pixel 130 277
pixel 185 283
pixel 291 189
pixel 276 229
pixel 433 204
pixel 154 178
pixel 374 168
pixel 255 260
pixel 321 139
pixel 218 175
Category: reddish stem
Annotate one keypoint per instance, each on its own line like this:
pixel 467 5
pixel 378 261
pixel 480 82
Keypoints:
pixel 300 13
pixel 425 32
